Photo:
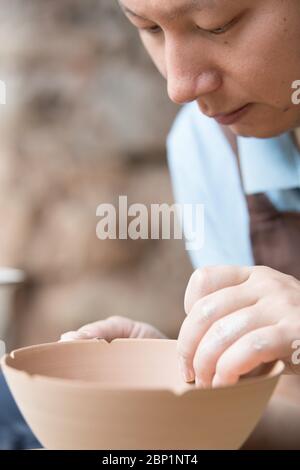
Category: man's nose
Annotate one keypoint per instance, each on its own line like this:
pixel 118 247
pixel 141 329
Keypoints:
pixel 184 89
pixel 190 76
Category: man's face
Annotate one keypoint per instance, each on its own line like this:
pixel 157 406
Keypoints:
pixel 237 58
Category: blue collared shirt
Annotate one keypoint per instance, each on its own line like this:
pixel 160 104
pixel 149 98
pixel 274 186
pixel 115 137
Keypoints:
pixel 204 171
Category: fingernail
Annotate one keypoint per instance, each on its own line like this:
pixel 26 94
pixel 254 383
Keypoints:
pixel 75 335
pixel 85 334
pixel 187 373
pixel 69 336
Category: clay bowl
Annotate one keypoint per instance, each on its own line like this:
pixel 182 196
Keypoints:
pixel 129 394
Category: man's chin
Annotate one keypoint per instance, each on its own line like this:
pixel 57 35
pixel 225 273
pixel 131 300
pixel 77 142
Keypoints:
pixel 266 125
pixel 255 131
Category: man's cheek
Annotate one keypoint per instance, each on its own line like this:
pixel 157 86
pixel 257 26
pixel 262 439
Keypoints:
pixel 161 67
pixel 157 56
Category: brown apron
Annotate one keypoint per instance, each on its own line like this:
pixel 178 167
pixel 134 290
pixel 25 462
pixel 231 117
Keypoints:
pixel 275 235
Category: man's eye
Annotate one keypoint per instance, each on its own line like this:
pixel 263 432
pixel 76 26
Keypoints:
pixel 222 29
pixel 152 29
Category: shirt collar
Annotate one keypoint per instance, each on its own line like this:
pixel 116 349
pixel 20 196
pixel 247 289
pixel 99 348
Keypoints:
pixel 268 164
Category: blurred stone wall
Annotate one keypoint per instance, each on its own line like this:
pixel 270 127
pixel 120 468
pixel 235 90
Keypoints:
pixel 85 121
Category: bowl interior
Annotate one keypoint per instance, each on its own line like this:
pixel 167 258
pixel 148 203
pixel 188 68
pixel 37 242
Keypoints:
pixel 129 363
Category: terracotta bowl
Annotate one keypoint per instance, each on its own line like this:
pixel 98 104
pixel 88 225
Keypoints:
pixel 129 394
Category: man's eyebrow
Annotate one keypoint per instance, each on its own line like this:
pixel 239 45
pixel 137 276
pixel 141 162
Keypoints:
pixel 130 12
pixel 193 5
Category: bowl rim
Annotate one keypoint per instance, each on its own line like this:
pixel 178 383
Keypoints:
pixel 276 369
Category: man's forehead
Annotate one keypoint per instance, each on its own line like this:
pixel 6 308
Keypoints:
pixel 168 8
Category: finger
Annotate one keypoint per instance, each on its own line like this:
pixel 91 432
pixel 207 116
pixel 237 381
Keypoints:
pixel 210 279
pixel 223 334
pixel 203 315
pixel 144 330
pixel 258 347
pixel 108 329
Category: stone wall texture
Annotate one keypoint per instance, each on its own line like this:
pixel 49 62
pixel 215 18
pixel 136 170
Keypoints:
pixel 86 119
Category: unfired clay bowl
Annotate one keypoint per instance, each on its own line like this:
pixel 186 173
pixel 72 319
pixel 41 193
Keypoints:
pixel 129 394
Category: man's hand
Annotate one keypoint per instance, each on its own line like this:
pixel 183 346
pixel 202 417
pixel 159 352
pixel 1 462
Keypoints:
pixel 237 319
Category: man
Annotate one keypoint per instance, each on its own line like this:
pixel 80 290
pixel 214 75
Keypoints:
pixel 234 149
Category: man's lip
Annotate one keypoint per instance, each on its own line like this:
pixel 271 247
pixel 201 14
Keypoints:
pixel 231 118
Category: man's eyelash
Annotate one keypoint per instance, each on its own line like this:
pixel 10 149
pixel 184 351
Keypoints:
pixel 222 29
pixel 216 31
pixel 152 29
